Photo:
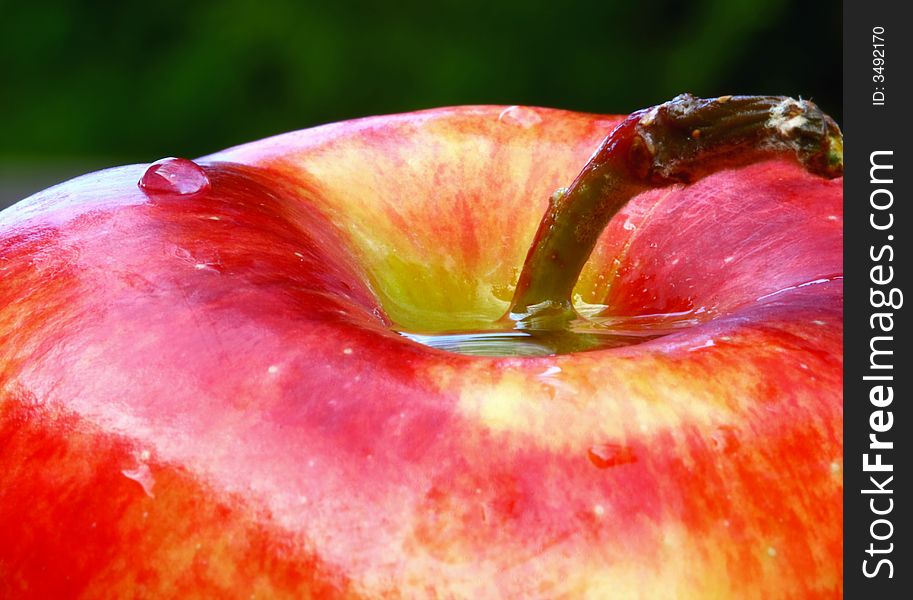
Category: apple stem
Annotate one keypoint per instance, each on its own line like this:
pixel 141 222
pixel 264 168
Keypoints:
pixel 679 141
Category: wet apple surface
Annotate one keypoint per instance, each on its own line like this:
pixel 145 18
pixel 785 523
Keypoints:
pixel 204 388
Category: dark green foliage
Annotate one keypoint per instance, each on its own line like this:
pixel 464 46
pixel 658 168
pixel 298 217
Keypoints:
pixel 136 81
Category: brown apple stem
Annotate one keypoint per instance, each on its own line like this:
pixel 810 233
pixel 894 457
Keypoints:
pixel 679 141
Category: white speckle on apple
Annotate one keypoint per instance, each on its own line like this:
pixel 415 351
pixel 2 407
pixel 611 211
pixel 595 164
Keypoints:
pixel 347 351
pixel 143 476
pixel 801 285
pixel 820 323
pixel 599 510
pixel 202 266
pixel 215 218
pixel 629 226
pixel 728 259
pixel 272 369
pixel 771 551
pixel 833 218
pixel 708 344
pixel 299 255
pixel 803 366
pixel 726 523
pixel 835 467
pixel 552 370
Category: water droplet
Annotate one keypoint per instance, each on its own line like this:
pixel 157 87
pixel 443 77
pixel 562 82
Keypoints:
pixel 604 456
pixel 520 115
pixel 177 176
pixel 143 476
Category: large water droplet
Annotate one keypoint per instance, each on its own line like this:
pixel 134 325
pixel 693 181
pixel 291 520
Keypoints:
pixel 177 176
pixel 520 115
pixel 604 456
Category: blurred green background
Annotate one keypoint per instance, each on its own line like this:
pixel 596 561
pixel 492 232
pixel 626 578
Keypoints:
pixel 93 84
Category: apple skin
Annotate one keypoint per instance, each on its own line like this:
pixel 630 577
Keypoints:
pixel 201 395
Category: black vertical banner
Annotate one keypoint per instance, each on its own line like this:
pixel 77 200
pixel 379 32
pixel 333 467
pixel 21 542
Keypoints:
pixel 878 439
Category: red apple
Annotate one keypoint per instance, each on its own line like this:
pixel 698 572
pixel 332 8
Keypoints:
pixel 203 392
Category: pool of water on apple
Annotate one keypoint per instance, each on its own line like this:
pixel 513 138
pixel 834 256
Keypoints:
pixel 584 334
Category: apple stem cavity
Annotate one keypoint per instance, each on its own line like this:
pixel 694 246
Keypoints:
pixel 680 141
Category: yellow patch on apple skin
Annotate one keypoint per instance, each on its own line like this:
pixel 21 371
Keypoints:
pixel 666 557
pixel 588 402
pixel 676 562
pixel 501 408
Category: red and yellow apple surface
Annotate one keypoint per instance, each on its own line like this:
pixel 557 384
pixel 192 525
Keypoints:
pixel 203 391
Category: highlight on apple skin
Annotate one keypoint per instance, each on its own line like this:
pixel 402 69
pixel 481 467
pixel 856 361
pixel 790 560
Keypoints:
pixel 211 383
